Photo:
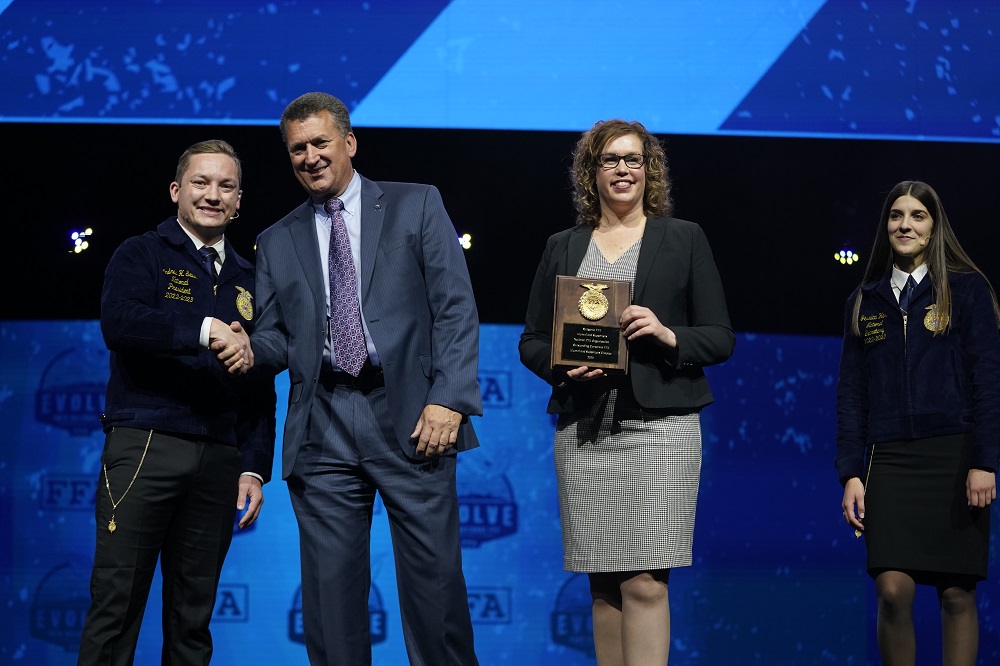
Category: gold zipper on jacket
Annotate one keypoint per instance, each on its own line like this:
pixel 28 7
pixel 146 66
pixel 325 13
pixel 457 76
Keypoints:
pixel 868 473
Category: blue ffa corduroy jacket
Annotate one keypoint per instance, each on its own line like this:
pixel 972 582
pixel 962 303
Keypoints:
pixel 896 386
pixel 157 292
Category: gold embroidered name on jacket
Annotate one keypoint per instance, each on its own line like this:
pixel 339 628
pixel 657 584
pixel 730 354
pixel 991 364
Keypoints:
pixel 179 289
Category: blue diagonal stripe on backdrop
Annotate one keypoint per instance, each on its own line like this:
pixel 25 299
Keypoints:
pixel 774 67
pixel 195 61
pixel 679 67
pixel 903 69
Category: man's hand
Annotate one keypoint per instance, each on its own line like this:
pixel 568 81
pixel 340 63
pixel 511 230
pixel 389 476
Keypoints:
pixel 250 489
pixel 437 430
pixel 232 346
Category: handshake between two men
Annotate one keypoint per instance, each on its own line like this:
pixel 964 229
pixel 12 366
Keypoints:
pixel 231 345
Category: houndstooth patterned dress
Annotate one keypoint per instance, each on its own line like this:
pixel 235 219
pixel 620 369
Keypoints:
pixel 628 477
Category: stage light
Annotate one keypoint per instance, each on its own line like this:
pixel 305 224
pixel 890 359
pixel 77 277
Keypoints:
pixel 79 239
pixel 465 240
pixel 846 257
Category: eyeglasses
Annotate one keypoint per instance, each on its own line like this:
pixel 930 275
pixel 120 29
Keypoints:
pixel 610 160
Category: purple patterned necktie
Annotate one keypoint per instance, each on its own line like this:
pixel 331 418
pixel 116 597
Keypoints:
pixel 347 337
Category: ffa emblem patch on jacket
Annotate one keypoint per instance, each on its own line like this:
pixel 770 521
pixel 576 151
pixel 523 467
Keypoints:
pixel 244 303
pixel 935 320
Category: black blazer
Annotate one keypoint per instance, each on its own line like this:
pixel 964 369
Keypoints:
pixel 677 279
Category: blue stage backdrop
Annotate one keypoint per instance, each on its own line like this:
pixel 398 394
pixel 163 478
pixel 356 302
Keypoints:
pixel 897 69
pixel 777 578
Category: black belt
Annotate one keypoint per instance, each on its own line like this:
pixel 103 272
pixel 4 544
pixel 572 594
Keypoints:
pixel 369 379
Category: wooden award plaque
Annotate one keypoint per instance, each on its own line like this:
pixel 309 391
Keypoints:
pixel 585 329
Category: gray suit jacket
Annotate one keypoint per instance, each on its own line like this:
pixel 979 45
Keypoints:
pixel 416 297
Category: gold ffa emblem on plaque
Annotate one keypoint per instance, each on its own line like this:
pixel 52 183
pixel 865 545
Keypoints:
pixel 593 304
pixel 244 303
pixel 585 327
pixel 935 320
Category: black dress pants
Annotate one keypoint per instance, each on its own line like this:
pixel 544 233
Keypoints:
pixel 180 508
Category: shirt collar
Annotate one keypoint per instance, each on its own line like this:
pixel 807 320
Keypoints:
pixel 351 198
pixel 899 277
pixel 219 247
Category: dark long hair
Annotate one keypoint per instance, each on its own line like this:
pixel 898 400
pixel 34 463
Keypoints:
pixel 655 198
pixel 944 254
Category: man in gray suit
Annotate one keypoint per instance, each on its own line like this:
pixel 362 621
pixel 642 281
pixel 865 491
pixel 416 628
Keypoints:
pixel 365 297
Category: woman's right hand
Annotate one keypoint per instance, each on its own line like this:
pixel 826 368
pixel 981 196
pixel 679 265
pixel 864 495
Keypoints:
pixel 584 374
pixel 854 503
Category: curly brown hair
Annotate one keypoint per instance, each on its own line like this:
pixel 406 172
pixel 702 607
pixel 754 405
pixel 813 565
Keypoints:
pixel 656 198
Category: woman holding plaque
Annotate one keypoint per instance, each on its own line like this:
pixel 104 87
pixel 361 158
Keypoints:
pixel 919 392
pixel 628 445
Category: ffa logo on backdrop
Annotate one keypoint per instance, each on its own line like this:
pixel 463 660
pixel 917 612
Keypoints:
pixel 486 507
pixel 70 397
pixel 490 605
pixel 68 492
pixel 494 385
pixel 232 603
pixel 571 621
pixel 376 617
pixel 70 394
pixel 60 605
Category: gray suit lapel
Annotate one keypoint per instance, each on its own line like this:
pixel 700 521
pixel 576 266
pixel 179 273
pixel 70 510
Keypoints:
pixel 372 216
pixel 303 232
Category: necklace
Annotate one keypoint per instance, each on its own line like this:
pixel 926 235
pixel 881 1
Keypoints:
pixel 112 526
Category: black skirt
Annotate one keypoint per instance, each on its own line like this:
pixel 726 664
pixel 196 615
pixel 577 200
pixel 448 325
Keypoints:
pixel 917 517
